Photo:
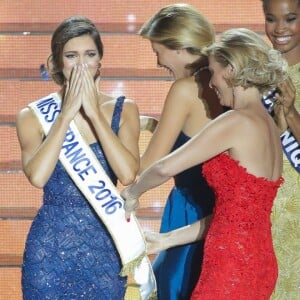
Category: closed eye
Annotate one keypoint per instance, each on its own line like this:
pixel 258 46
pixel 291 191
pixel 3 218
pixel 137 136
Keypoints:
pixel 92 53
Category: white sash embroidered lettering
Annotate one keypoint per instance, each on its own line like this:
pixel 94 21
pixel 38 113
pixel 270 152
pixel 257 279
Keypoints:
pixel 290 145
pixel 291 149
pixel 84 168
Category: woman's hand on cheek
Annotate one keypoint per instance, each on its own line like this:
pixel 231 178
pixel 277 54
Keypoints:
pixel 90 93
pixel 73 100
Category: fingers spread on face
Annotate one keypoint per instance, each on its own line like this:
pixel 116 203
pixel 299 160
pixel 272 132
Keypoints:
pixel 75 83
pixel 88 78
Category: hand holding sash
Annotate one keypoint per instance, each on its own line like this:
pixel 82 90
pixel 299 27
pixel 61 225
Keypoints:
pixel 155 242
pixel 104 197
pixel 131 203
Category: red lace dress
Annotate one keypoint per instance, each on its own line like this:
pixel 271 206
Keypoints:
pixel 239 261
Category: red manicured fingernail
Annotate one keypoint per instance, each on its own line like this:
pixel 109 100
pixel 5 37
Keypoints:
pixel 128 219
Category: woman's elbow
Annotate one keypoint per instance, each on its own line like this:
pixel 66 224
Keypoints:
pixel 162 169
pixel 129 176
pixel 35 178
pixel 36 181
pixel 127 179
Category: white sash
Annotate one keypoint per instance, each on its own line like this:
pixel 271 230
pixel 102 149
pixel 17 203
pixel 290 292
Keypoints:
pixel 84 168
pixel 290 145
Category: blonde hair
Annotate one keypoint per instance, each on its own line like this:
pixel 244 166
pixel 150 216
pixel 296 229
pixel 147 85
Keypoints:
pixel 180 26
pixel 254 62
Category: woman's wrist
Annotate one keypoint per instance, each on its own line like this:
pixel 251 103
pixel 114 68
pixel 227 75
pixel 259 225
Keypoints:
pixel 63 120
pixel 132 191
pixel 170 240
pixel 291 114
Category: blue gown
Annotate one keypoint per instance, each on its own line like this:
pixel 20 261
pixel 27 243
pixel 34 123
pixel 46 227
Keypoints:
pixel 177 269
pixel 69 254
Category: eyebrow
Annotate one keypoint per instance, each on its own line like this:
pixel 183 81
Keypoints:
pixel 285 15
pixel 75 51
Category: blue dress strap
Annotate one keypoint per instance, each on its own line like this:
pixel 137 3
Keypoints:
pixel 115 122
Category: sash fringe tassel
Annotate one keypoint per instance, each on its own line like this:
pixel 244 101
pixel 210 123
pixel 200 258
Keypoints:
pixel 153 296
pixel 128 269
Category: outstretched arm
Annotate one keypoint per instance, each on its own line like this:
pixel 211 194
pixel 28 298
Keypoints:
pixel 157 242
pixel 215 138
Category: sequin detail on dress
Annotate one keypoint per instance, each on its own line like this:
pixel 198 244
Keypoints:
pixel 69 254
pixel 285 220
pixel 239 261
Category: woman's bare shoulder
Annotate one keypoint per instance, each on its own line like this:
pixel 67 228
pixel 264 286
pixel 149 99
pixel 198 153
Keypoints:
pixel 184 88
pixel 27 122
pixel 108 100
pixel 26 114
pixel 129 110
pixel 185 82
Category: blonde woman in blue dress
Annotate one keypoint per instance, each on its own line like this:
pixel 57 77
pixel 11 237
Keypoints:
pixel 177 33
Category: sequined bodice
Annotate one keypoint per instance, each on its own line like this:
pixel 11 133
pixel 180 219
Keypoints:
pixel 61 190
pixel 294 73
pixel 69 252
pixel 286 219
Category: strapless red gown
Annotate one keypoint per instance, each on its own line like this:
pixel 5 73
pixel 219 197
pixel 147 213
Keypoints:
pixel 239 261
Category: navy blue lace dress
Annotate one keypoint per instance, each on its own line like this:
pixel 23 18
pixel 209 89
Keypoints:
pixel 69 254
pixel 177 269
